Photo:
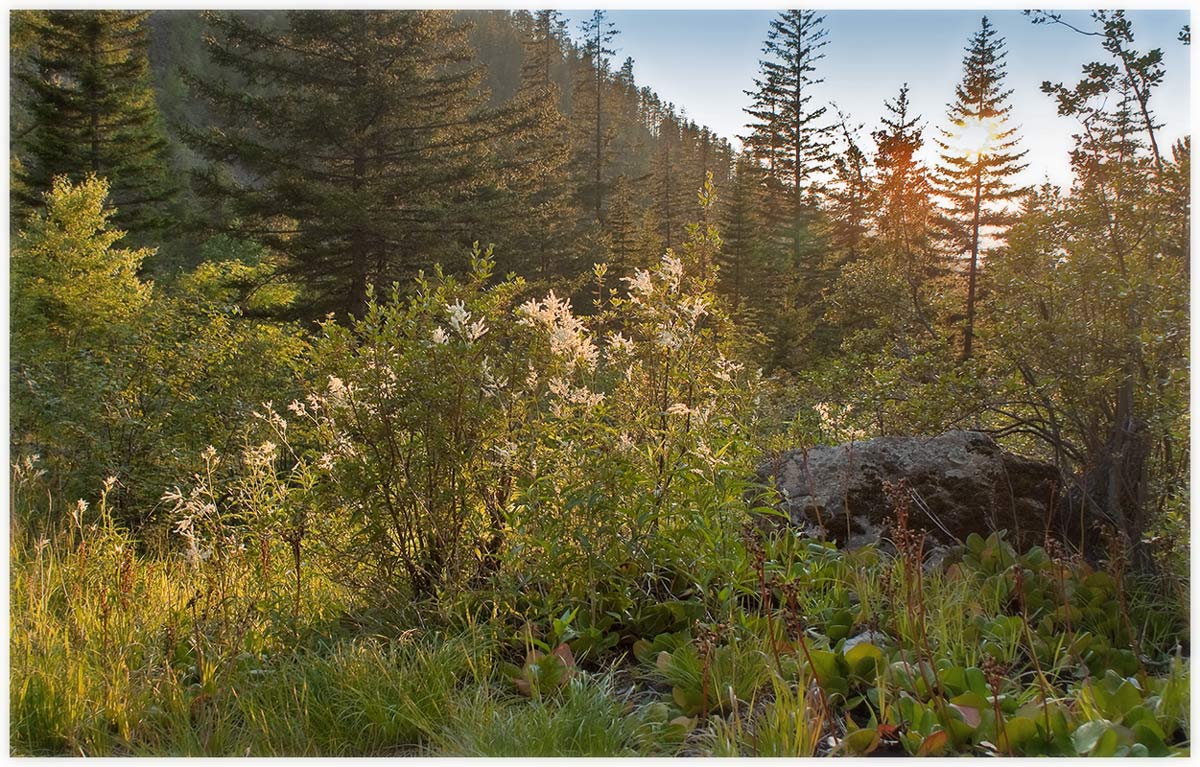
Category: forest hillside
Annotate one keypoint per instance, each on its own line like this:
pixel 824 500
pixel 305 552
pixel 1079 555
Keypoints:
pixel 419 382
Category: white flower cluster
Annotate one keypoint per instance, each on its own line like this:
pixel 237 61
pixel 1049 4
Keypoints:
pixel 260 456
pixel 491 383
pixel 567 394
pixel 726 368
pixel 195 516
pixel 460 323
pixel 338 390
pixel 837 422
pixel 569 341
pixel 642 284
pixel 619 346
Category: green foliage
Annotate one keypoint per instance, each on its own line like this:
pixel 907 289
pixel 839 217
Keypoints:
pixel 70 283
pixel 403 165
pixel 205 654
pixel 1090 327
pixel 543 673
pixel 589 721
pixel 417 461
pixel 717 679
pixel 92 112
pixel 110 378
pixel 491 521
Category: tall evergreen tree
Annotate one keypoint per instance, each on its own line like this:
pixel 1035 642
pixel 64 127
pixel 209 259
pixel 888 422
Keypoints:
pixel 849 197
pixel 902 201
pixel 978 157
pixel 669 202
pixel 788 136
pixel 741 240
pixel 625 229
pixel 92 111
pixel 545 245
pixel 365 144
pixel 785 128
pixel 590 110
pixel 543 49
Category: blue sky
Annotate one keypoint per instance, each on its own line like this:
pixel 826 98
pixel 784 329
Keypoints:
pixel 704 60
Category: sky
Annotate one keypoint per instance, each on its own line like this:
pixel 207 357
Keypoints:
pixel 703 61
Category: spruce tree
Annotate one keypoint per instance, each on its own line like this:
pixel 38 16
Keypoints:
pixel 624 229
pixel 358 144
pixel 785 130
pixel 788 136
pixel 92 111
pixel 902 202
pixel 544 244
pixel 543 49
pixel 592 113
pixel 670 201
pixel 978 157
pixel 741 240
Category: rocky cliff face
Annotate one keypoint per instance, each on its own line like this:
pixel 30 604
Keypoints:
pixel 959 483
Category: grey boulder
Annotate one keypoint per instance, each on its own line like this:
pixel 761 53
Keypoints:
pixel 959 483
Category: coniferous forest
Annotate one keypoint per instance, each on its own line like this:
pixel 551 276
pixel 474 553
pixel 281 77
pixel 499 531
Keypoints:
pixel 423 383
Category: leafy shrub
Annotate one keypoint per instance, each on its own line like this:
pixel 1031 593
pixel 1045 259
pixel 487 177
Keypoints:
pixel 470 439
pixel 112 379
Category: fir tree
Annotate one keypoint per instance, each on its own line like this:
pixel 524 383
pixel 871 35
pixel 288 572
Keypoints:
pixel 370 145
pixel 669 201
pixel 591 112
pixel 978 157
pixel 91 111
pixel 788 137
pixel 544 244
pixel 741 241
pixel 543 49
pixel 902 201
pixel 785 131
pixel 624 229
pixel 848 197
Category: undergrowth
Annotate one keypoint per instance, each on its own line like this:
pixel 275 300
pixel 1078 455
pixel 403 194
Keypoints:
pixel 804 650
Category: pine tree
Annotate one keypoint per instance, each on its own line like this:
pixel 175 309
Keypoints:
pixel 902 201
pixel 544 245
pixel 788 137
pixel 741 240
pixel 670 202
pixel 785 131
pixel 591 112
pixel 625 230
pixel 848 197
pixel 978 157
pixel 630 136
pixel 372 150
pixel 543 49
pixel 92 112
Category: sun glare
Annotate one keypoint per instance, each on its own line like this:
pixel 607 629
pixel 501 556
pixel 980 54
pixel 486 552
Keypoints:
pixel 977 137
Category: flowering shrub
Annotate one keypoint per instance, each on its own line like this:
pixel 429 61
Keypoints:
pixel 468 435
pixel 640 476
pixel 420 408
